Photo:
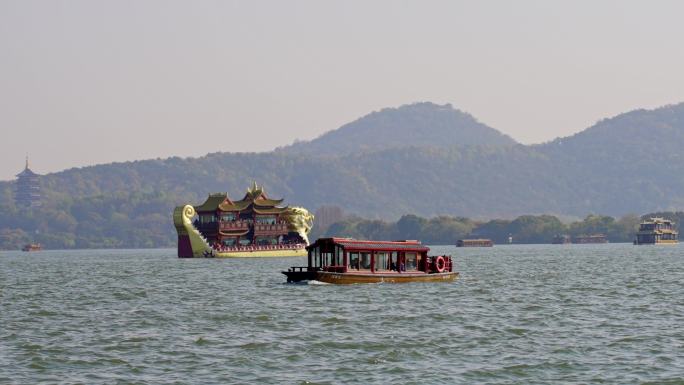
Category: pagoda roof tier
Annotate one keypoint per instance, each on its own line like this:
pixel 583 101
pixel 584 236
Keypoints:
pixel 240 205
pixel 27 171
pixel 213 201
pixel 267 202
pixel 234 206
pixel 257 193
pixel 255 198
pixel 270 210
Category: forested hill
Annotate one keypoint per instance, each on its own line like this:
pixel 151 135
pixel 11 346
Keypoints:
pixel 631 163
pixel 419 124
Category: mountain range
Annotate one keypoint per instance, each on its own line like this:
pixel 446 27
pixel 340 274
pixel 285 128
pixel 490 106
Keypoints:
pixel 417 125
pixel 424 159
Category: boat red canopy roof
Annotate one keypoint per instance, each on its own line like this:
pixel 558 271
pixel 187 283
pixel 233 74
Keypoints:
pixel 350 244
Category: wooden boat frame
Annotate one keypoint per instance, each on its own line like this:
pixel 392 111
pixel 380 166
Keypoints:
pixel 349 261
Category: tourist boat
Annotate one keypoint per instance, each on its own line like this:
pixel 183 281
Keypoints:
pixel 346 260
pixel 254 226
pixel 32 247
pixel 561 239
pixel 656 231
pixel 590 238
pixel 474 243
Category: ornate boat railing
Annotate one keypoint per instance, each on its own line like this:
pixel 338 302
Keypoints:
pixel 264 228
pixel 256 248
pixel 234 225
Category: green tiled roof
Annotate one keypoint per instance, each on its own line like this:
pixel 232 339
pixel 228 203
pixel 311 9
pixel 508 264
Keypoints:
pixel 270 210
pixel 267 202
pixel 212 202
pixel 255 198
pixel 235 206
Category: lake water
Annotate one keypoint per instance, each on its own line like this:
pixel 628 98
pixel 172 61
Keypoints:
pixel 611 314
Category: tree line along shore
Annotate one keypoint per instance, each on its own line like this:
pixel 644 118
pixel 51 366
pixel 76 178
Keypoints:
pixel 142 221
pixel 525 229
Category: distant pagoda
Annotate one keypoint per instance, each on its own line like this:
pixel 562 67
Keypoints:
pixel 28 188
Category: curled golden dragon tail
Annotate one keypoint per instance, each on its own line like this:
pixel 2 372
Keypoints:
pixel 190 242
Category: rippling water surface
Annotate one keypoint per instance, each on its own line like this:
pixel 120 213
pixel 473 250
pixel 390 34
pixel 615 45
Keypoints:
pixel 518 315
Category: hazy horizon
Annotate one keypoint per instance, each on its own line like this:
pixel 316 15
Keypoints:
pixel 95 82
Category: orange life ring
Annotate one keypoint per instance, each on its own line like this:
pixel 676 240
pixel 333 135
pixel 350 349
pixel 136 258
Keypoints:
pixel 440 264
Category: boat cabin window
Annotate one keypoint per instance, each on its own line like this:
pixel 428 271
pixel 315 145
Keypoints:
pixel 353 260
pixel 229 242
pixel 207 218
pixel 411 261
pixel 339 256
pixel 266 219
pixel 365 261
pixel 327 259
pixel 324 254
pixel 228 217
pixel 266 241
pixel 393 260
pixel 317 257
pixel 381 261
pixel 245 242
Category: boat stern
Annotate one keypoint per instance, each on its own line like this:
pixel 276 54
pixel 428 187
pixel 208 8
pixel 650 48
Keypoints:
pixel 299 274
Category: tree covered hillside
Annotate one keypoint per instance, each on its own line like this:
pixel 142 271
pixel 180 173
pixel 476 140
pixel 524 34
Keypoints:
pixel 631 163
pixel 419 124
pixel 634 161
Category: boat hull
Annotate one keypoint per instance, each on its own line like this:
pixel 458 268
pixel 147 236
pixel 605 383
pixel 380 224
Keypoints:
pixel 661 242
pixel 351 278
pixel 261 254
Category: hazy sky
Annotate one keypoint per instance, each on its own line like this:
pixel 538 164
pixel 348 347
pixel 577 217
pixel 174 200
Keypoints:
pixel 85 82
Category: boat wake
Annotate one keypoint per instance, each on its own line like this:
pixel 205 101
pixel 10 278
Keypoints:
pixel 306 282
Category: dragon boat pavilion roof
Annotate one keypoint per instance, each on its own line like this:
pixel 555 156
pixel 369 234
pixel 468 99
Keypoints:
pixel 255 198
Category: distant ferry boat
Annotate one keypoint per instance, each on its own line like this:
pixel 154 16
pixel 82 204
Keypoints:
pixel 254 226
pixel 564 239
pixel 656 231
pixel 590 238
pixel 474 243
pixel 32 247
pixel 347 260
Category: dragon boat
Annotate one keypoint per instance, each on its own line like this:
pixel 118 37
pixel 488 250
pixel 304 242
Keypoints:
pixel 255 226
pixel 347 260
